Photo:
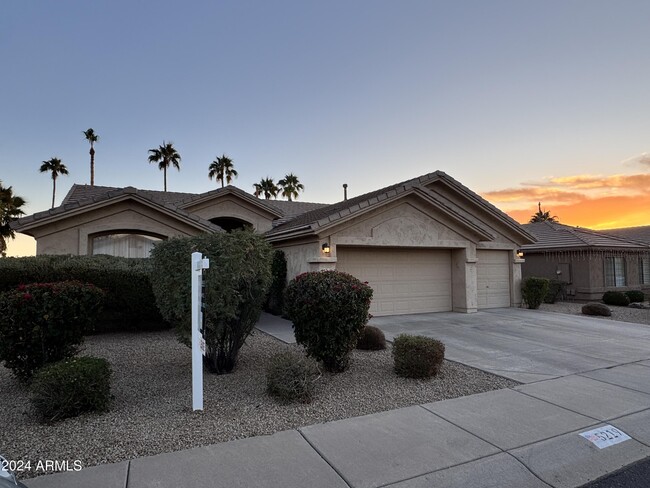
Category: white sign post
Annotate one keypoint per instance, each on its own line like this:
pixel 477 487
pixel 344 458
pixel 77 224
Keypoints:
pixel 199 263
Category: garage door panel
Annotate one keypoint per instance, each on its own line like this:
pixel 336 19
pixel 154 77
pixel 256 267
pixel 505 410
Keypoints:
pixel 493 278
pixel 403 280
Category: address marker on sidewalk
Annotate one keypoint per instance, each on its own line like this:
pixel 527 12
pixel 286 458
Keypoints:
pixel 605 436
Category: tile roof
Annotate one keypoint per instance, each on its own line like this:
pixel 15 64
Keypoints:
pixel 641 234
pixel 555 236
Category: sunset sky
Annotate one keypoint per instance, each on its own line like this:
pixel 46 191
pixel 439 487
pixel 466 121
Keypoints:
pixel 520 101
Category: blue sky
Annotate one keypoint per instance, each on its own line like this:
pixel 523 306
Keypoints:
pixel 502 95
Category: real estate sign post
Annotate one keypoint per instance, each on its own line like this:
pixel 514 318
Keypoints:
pixel 199 263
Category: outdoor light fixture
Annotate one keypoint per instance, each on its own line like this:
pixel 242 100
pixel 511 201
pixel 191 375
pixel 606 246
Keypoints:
pixel 520 254
pixel 326 248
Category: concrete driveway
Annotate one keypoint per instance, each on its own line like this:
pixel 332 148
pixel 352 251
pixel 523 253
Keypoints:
pixel 527 345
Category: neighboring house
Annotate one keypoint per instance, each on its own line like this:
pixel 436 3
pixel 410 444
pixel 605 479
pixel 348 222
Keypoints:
pixel 589 262
pixel 424 245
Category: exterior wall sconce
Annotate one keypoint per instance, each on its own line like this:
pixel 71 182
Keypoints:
pixel 326 248
pixel 520 254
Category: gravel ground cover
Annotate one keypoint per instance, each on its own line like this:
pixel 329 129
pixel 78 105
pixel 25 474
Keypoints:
pixel 622 314
pixel 151 411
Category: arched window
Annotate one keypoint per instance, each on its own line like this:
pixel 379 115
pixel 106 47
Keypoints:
pixel 126 245
pixel 231 223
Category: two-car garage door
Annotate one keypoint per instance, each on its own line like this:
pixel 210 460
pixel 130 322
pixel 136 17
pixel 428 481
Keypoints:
pixel 420 280
pixel 403 280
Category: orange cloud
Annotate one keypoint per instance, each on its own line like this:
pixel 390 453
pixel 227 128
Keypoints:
pixel 525 194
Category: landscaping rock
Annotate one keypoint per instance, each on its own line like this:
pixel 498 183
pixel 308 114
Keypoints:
pixel 596 309
pixel 638 305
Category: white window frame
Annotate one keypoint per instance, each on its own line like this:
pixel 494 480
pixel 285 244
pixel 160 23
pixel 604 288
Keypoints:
pixel 644 270
pixel 614 273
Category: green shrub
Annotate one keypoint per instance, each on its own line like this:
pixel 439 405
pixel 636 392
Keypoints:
pixel 616 298
pixel 328 310
pixel 635 296
pixel 371 339
pixel 533 291
pixel 275 299
pixel 556 289
pixel 235 285
pixel 70 387
pixel 129 303
pixel 43 323
pixel 417 356
pixel 291 377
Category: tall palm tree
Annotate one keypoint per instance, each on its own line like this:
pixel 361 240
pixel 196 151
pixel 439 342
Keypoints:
pixel 56 167
pixel 9 211
pixel 92 138
pixel 165 155
pixel 267 187
pixel 290 186
pixel 542 216
pixel 222 169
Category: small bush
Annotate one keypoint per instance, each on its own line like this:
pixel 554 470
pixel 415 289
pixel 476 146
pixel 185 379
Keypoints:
pixel 417 356
pixel 556 289
pixel 533 291
pixel 71 387
pixel 290 377
pixel 635 296
pixel 328 310
pixel 371 339
pixel 275 299
pixel 45 322
pixel 236 284
pixel 597 309
pixel 616 298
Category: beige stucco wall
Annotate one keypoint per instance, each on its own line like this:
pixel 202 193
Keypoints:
pixel 74 234
pixel 304 256
pixel 231 206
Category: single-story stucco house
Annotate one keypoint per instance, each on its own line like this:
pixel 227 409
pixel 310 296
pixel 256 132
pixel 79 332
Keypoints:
pixel 425 245
pixel 590 262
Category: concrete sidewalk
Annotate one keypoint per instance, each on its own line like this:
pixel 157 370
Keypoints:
pixel 527 436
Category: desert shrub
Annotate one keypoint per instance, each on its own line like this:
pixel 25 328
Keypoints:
pixel 616 298
pixel 129 303
pixel 328 310
pixel 275 299
pixel 70 387
pixel 235 284
pixel 635 296
pixel 371 339
pixel 290 377
pixel 45 322
pixel 533 291
pixel 417 356
pixel 556 289
pixel 597 309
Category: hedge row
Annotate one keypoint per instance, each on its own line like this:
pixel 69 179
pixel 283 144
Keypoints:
pixel 129 304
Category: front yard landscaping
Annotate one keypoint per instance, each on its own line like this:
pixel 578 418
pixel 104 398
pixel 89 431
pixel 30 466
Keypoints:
pixel 151 410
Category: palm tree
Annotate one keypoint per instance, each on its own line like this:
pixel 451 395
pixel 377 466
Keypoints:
pixel 266 187
pixel 542 216
pixel 222 169
pixel 92 138
pixel 166 155
pixel 290 186
pixel 56 167
pixel 9 211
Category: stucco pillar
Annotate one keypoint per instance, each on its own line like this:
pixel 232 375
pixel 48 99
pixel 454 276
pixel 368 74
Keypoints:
pixel 321 264
pixel 464 280
pixel 515 281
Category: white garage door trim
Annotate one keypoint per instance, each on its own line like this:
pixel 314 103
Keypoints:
pixel 493 278
pixel 403 280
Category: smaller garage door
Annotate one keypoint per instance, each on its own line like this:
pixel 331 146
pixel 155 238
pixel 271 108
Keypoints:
pixel 403 280
pixel 493 273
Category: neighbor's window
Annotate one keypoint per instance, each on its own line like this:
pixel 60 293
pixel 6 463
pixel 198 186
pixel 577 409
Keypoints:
pixel 644 271
pixel 124 245
pixel 615 271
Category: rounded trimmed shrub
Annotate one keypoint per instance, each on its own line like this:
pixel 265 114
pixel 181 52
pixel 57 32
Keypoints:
pixel 597 309
pixel 417 356
pixel 635 296
pixel 534 290
pixel 328 310
pixel 43 323
pixel 371 339
pixel 71 387
pixel 616 298
pixel 290 377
